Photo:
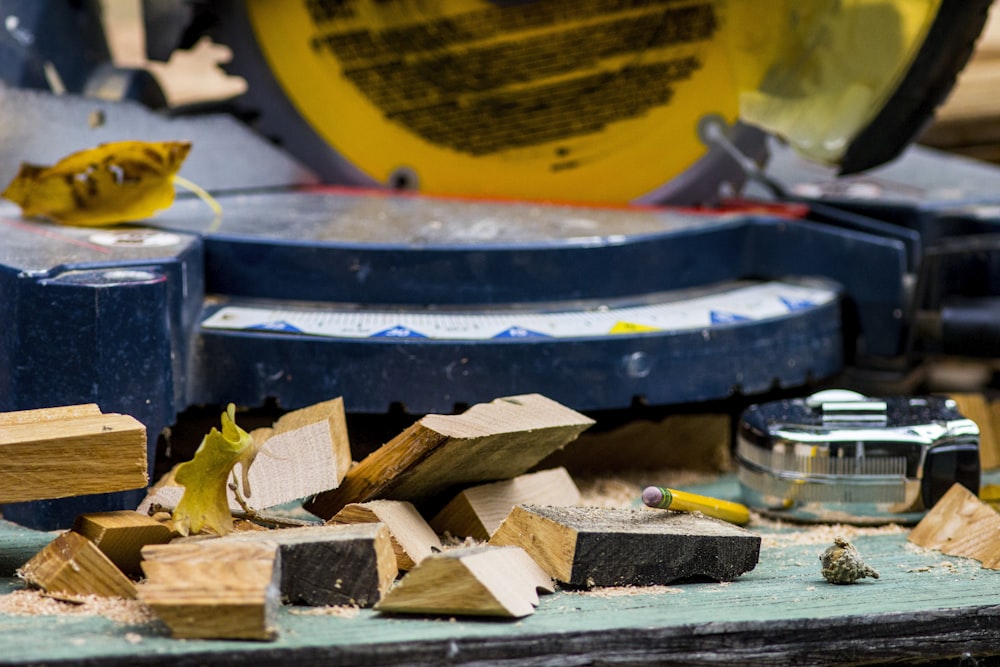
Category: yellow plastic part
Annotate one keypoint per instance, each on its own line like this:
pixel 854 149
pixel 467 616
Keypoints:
pixel 579 101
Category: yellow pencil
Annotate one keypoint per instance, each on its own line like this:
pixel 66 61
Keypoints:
pixel 669 499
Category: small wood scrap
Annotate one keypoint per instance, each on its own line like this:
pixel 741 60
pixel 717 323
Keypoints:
pixel 977 408
pixel 587 546
pixel 69 451
pixel 121 535
pixel 960 524
pixel 213 589
pixel 479 510
pixel 329 565
pixel 305 452
pixel 71 565
pixel 412 538
pixel 692 442
pixel 470 581
pixel 486 443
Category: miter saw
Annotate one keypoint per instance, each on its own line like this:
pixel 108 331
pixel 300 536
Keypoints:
pixel 432 204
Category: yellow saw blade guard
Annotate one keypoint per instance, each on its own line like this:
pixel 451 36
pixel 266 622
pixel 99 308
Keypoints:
pixel 590 101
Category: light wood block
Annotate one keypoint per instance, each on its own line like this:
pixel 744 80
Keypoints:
pixel 975 407
pixel 72 565
pixel 479 510
pixel 210 589
pixel 589 546
pixel 488 442
pixel 121 535
pixel 412 538
pixel 69 451
pixel 472 581
pixel 960 524
pixel 330 565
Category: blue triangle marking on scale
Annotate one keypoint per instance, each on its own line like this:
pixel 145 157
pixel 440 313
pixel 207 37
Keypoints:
pixel 722 317
pixel 398 331
pixel 797 304
pixel 521 332
pixel 276 325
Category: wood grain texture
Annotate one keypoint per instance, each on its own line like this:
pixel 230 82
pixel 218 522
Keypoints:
pixel 975 407
pixel 470 581
pixel 330 565
pixel 479 510
pixel 488 442
pixel 209 589
pixel 52 456
pixel 72 565
pixel 960 524
pixel 412 538
pixel 589 546
pixel 121 535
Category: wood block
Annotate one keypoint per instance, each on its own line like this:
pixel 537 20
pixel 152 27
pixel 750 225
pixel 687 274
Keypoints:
pixel 472 581
pixel 306 452
pixel 210 589
pixel 72 565
pixel 588 546
pixel 478 511
pixel 331 565
pixel 700 441
pixel 121 536
pixel 69 451
pixel 488 442
pixel 960 524
pixel 975 407
pixel 412 538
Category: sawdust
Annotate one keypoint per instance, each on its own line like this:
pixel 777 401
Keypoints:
pixel 623 488
pixel 625 591
pixel 30 602
pixel 818 533
pixel 345 611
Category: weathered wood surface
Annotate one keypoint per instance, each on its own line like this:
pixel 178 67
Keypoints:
pixel 488 442
pixel 412 538
pixel 330 565
pixel 471 581
pixel 589 546
pixel 69 451
pixel 479 510
pixel 783 612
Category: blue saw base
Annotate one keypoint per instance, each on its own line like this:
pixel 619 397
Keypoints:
pixel 134 318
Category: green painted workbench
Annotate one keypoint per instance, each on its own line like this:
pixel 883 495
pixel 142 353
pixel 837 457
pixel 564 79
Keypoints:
pixel 925 607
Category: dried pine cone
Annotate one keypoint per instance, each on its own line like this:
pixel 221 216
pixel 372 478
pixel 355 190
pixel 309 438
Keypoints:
pixel 842 563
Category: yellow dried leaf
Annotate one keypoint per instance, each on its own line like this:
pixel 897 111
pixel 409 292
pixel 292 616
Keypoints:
pixel 205 478
pixel 114 182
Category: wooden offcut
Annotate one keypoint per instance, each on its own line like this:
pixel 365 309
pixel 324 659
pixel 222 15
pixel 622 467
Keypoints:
pixel 975 407
pixel 305 452
pixel 211 589
pixel 589 546
pixel 479 510
pixel 412 537
pixel 121 535
pixel 470 581
pixel 69 451
pixel 488 442
pixel 71 565
pixel 960 524
pixel 330 565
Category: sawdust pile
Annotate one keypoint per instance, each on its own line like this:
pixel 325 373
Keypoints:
pixel 30 602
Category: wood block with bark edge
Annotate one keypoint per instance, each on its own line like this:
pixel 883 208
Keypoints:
pixel 470 581
pixel 960 524
pixel 412 538
pixel 210 589
pixel 72 565
pixel 488 442
pixel 121 535
pixel 69 451
pixel 479 510
pixel 325 566
pixel 305 452
pixel 589 546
